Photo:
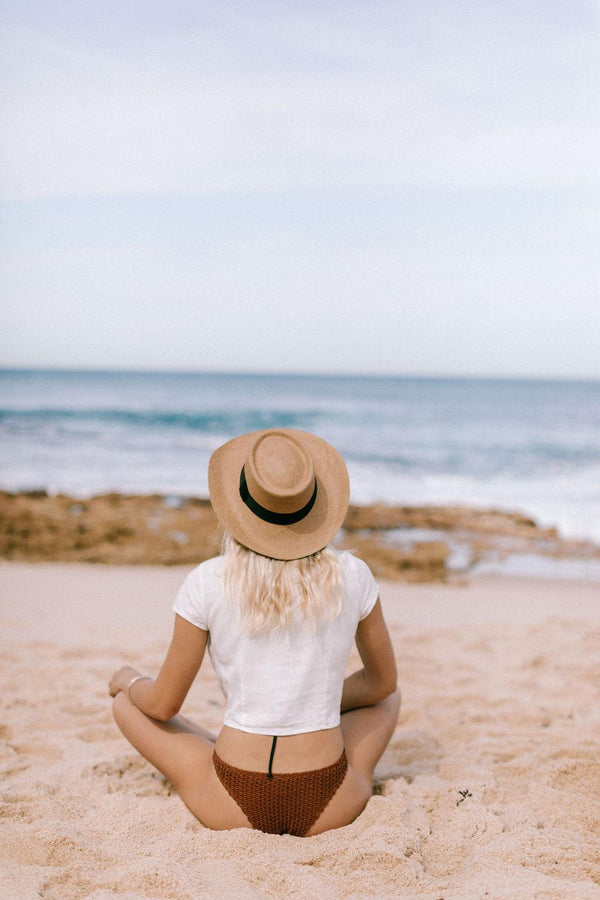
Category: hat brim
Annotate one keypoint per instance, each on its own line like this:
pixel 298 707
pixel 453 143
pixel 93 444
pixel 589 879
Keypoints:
pixel 302 538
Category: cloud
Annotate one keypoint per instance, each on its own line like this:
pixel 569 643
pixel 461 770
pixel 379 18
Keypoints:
pixel 402 187
pixel 182 101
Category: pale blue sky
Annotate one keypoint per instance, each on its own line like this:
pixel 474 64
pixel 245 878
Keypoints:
pixel 407 187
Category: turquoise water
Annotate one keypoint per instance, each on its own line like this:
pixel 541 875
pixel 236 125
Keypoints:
pixel 528 445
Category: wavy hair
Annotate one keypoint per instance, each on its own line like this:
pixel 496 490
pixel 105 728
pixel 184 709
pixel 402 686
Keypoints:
pixel 269 593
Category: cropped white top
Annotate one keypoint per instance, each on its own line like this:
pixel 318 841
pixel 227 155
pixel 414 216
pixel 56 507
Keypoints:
pixel 284 681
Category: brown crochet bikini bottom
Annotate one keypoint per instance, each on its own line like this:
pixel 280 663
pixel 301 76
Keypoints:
pixel 282 802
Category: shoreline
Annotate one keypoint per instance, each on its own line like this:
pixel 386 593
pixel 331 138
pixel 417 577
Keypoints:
pixel 400 543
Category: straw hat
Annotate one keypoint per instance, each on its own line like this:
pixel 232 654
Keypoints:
pixel 281 492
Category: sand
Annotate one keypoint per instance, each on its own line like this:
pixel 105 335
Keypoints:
pixel 490 787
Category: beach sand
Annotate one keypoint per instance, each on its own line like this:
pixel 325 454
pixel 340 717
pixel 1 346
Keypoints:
pixel 490 787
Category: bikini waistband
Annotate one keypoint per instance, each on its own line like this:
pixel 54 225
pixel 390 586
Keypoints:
pixel 220 764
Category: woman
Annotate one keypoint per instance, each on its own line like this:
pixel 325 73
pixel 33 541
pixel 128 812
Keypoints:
pixel 279 612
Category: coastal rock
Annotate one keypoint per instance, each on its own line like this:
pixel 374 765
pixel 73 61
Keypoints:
pixel 425 561
pixel 110 528
pixel 399 543
pixel 379 517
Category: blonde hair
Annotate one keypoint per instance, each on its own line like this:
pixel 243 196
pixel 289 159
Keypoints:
pixel 268 592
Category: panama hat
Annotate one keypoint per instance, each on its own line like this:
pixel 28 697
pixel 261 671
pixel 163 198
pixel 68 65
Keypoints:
pixel 281 492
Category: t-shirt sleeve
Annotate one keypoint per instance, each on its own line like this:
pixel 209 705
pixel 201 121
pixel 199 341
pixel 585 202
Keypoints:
pixel 367 589
pixel 190 602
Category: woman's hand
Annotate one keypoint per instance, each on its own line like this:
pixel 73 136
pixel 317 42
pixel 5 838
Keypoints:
pixel 121 679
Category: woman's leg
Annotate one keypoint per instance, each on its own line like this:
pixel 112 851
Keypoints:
pixel 366 732
pixel 174 747
pixel 182 751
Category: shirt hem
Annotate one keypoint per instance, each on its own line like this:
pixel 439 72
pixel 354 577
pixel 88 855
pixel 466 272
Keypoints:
pixel 274 729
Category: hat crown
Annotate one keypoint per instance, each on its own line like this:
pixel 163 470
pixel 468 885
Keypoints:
pixel 280 492
pixel 280 472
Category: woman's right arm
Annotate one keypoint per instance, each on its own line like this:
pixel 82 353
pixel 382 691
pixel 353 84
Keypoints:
pixel 162 698
pixel 378 677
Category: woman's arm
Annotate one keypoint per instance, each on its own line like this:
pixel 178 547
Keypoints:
pixel 162 699
pixel 378 678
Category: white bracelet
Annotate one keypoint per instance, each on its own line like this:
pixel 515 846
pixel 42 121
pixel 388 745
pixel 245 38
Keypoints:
pixel 133 681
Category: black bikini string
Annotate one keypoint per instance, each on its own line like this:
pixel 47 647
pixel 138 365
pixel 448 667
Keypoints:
pixel 270 773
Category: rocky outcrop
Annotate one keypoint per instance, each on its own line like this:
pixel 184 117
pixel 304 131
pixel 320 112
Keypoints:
pixel 399 543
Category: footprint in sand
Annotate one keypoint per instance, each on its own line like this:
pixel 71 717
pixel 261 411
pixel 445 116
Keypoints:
pixel 413 752
pixel 57 887
pixel 98 733
pixel 19 806
pixel 25 753
pixel 131 775
pixel 579 777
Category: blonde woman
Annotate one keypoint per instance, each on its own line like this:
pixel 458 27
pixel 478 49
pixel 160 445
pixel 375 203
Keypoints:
pixel 279 612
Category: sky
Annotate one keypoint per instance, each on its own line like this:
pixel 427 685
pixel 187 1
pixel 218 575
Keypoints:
pixel 385 187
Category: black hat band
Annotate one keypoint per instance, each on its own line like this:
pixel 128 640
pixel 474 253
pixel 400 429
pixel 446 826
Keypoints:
pixel 273 517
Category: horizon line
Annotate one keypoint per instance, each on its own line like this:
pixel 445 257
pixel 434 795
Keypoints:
pixel 277 373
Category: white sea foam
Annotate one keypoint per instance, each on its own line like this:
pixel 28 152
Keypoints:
pixel 533 447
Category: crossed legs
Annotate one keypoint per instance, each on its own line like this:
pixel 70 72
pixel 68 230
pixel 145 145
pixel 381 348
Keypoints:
pixel 182 751
pixel 366 732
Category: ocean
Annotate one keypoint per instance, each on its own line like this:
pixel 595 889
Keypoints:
pixel 531 446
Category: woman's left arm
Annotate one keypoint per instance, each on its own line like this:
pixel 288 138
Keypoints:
pixel 162 698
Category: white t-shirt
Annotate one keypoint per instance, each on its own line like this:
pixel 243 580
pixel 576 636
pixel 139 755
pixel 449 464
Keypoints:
pixel 284 681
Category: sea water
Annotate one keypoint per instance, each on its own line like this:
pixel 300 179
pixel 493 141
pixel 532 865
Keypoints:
pixel 526 445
